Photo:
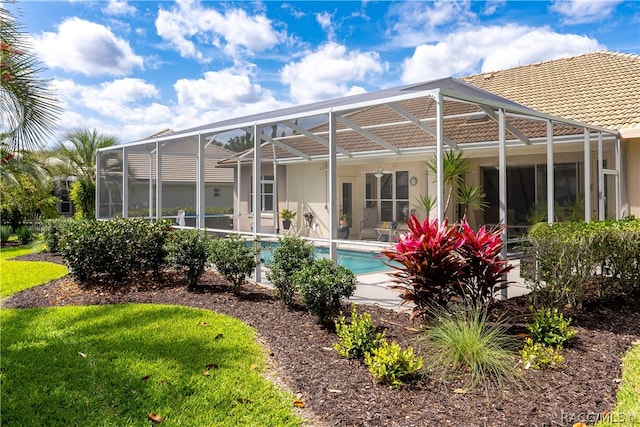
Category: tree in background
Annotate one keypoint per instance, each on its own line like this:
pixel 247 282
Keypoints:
pixel 237 144
pixel 25 188
pixel 28 107
pixel 76 157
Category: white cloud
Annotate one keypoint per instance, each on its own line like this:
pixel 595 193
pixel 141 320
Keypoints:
pixel 490 6
pixel 327 72
pixel 295 12
pixel 417 22
pixel 219 90
pixel 584 11
pixel 325 20
pixel 489 49
pixel 88 48
pixel 123 100
pixel 233 30
pixel 119 7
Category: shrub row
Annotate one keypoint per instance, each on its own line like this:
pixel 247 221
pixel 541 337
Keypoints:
pixel 115 250
pixel 566 257
pixel 126 247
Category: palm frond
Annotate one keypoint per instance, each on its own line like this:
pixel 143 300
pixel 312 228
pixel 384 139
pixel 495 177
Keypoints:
pixel 29 108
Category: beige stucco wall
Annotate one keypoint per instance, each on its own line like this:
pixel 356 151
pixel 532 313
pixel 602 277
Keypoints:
pixel 633 176
pixel 302 187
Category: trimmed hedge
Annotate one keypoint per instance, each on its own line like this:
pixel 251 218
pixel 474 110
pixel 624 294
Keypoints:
pixel 568 256
pixel 114 250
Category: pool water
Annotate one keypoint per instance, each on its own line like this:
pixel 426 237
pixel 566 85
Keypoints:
pixel 358 262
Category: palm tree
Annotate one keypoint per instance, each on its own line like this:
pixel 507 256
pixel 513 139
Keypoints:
pixel 454 167
pixel 75 156
pixel 16 165
pixel 77 153
pixel 29 109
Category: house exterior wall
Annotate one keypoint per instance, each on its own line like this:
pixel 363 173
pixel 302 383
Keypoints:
pixel 633 176
pixel 180 195
pixel 245 217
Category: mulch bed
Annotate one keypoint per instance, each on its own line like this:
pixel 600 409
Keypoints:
pixel 341 392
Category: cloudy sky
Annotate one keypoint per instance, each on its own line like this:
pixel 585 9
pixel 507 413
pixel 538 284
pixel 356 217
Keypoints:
pixel 132 68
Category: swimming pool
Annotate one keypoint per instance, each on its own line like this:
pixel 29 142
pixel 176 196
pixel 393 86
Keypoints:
pixel 359 262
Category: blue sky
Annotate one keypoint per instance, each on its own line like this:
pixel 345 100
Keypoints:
pixel 133 68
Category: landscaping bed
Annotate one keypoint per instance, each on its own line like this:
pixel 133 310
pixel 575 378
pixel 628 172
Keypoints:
pixel 337 391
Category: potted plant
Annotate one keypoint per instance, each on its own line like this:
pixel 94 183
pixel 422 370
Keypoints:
pixel 287 215
pixel 344 220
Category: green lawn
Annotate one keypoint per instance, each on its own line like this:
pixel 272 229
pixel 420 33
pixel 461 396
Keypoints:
pixel 115 365
pixel 16 276
pixel 627 410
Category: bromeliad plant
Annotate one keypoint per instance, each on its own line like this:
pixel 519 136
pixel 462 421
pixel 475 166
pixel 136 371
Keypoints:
pixel 440 263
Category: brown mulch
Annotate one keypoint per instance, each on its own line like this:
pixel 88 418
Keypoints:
pixel 341 392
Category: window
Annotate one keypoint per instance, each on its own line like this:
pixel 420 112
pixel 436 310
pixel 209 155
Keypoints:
pixel 527 192
pixel 266 194
pixel 390 192
pixel 65 207
pixel 216 193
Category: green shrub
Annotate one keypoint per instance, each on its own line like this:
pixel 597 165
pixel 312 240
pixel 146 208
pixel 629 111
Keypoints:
pixel 464 343
pixel 234 259
pixel 5 233
pixel 357 337
pixel 550 328
pixel 187 251
pixel 52 232
pixel 536 355
pixel 563 265
pixel 566 256
pixel 390 364
pixel 322 284
pixel 25 234
pixel 114 250
pixel 291 255
pixel 83 195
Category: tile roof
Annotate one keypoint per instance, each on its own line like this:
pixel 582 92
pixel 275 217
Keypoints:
pixel 600 88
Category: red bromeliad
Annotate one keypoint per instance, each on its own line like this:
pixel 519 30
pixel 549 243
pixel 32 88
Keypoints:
pixel 441 263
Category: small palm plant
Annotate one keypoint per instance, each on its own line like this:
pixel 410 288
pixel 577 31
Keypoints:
pixel 454 167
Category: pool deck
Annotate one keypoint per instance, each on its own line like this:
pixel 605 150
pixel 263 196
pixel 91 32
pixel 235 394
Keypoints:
pixel 374 288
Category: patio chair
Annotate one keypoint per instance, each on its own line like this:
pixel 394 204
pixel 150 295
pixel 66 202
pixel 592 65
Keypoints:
pixel 368 224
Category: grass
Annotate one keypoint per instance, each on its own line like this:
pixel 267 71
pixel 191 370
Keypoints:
pixel 114 365
pixel 16 276
pixel 465 344
pixel 627 410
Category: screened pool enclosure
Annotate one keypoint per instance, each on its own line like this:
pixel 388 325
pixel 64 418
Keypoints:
pixel 352 168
